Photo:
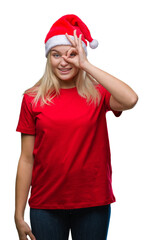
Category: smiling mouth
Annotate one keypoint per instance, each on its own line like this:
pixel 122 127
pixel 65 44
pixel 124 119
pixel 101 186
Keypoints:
pixel 64 70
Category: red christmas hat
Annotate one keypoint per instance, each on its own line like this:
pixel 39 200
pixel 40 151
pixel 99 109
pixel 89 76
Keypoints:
pixel 67 24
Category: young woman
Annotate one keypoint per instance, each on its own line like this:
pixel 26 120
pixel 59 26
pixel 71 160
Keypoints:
pixel 65 153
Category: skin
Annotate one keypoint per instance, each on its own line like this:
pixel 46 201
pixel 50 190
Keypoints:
pixel 68 56
pixel 57 61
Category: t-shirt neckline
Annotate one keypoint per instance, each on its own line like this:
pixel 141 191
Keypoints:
pixel 68 88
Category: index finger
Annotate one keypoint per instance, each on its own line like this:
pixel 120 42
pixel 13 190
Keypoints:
pixel 80 41
pixel 71 50
pixel 70 39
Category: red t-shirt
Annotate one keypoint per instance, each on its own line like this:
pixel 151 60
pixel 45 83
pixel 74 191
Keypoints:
pixel 72 160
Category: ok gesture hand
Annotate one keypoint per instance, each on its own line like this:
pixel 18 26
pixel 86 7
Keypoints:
pixel 79 58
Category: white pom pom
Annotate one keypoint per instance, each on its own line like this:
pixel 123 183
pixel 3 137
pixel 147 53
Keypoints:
pixel 94 43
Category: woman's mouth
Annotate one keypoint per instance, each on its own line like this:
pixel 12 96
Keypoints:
pixel 64 70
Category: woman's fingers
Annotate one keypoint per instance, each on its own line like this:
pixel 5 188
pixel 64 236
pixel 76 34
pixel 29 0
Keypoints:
pixel 32 237
pixel 70 39
pixel 24 230
pixel 75 54
pixel 80 41
pixel 75 41
pixel 75 37
pixel 71 50
pixel 70 58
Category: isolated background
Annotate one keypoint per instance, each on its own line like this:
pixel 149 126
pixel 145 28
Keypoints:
pixel 124 32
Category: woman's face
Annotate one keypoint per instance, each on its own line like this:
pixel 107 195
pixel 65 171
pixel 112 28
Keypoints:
pixel 65 71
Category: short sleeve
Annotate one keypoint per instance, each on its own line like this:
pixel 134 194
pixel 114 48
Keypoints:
pixel 107 104
pixel 106 98
pixel 26 122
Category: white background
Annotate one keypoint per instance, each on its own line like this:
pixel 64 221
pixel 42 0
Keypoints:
pixel 124 32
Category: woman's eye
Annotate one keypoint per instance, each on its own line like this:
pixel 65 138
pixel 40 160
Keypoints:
pixel 55 55
pixel 72 54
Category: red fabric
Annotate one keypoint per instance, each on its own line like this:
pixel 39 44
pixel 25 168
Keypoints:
pixel 67 24
pixel 72 160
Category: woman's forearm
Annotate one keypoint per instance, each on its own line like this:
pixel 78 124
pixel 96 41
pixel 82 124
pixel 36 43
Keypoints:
pixel 123 93
pixel 22 186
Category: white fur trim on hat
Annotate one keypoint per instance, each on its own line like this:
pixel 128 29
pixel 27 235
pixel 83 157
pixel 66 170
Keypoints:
pixel 94 44
pixel 60 40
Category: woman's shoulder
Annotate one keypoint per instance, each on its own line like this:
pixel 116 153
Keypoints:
pixel 30 93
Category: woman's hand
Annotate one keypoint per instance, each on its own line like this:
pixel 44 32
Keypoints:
pixel 80 58
pixel 24 230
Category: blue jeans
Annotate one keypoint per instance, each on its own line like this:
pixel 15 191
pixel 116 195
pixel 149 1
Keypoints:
pixel 85 223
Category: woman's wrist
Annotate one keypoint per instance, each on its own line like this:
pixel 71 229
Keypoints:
pixel 86 65
pixel 18 216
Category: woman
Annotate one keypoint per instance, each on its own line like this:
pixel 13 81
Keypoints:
pixel 65 154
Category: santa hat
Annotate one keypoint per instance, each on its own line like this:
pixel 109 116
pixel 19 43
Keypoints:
pixel 67 24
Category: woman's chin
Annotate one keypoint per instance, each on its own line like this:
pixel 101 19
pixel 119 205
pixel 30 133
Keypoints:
pixel 66 77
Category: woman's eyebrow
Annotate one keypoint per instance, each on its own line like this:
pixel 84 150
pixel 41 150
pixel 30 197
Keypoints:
pixel 58 51
pixel 54 50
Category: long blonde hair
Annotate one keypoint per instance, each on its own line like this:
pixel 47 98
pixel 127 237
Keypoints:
pixel 49 85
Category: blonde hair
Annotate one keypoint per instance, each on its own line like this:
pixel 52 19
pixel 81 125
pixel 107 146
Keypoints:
pixel 49 85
